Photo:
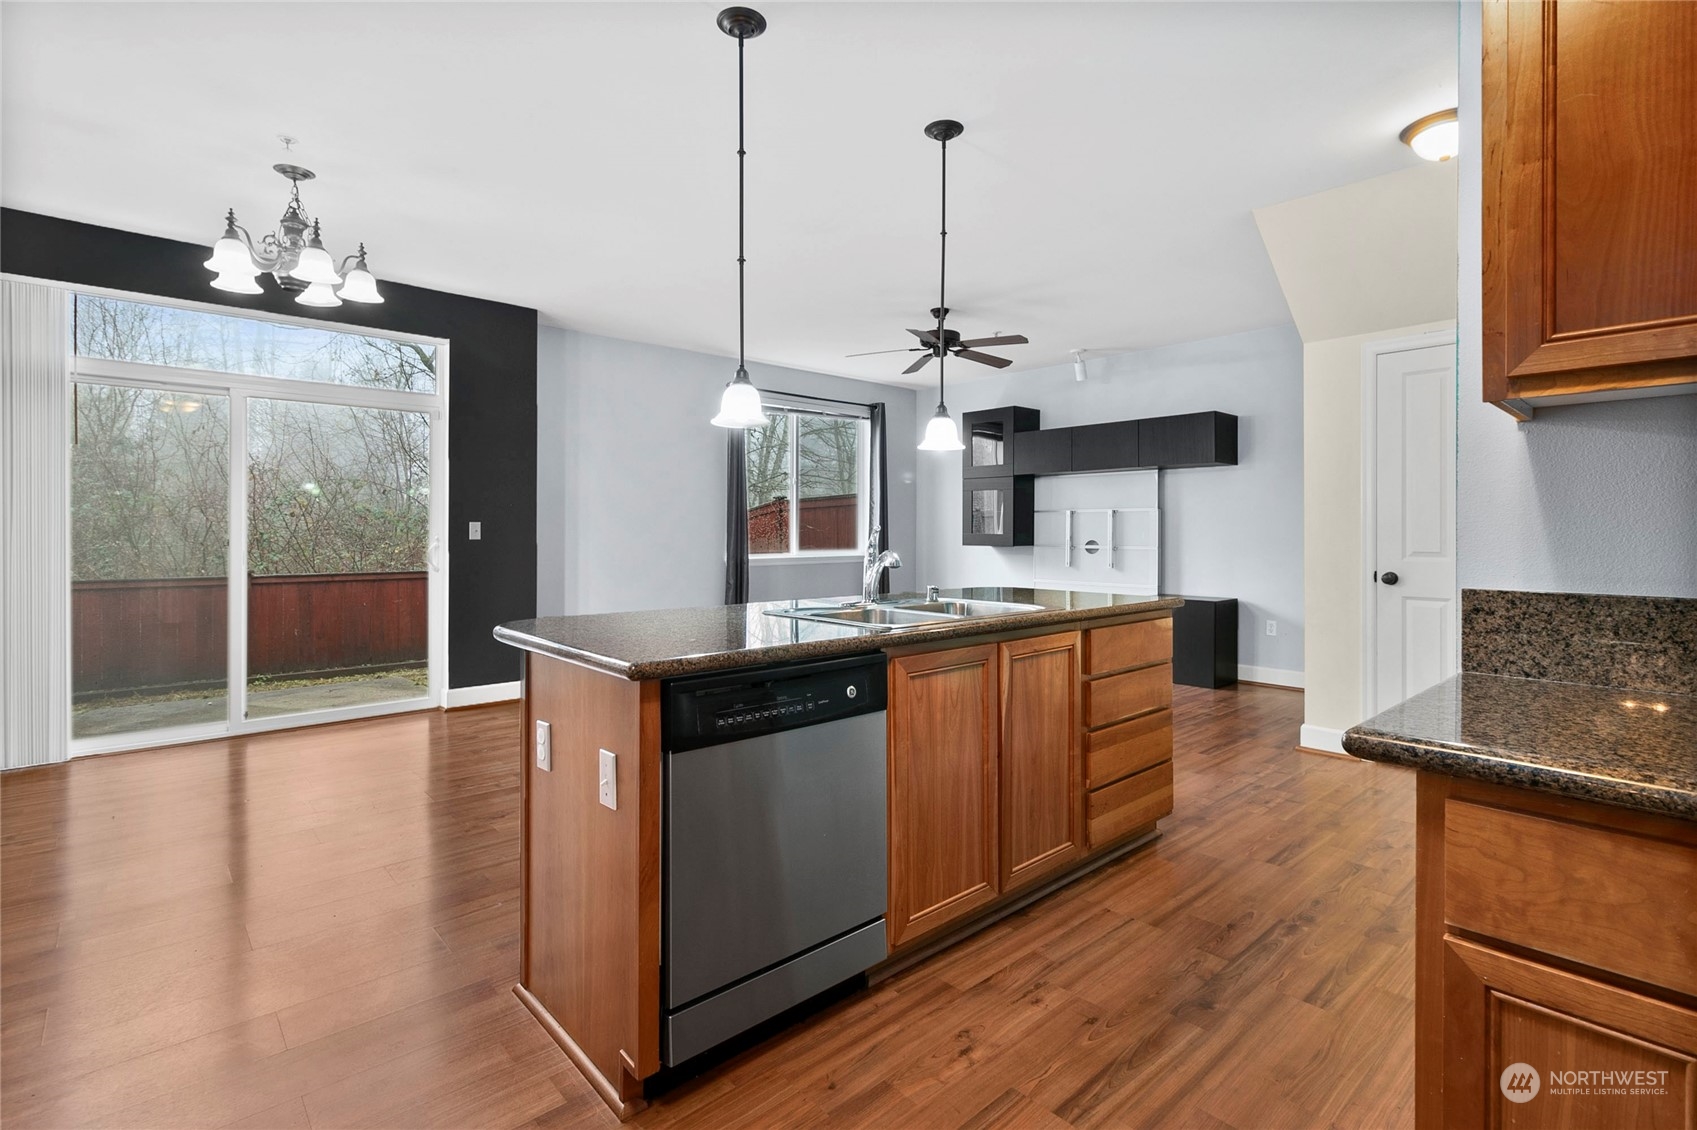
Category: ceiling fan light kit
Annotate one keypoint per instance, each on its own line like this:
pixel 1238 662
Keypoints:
pixel 294 255
pixel 739 404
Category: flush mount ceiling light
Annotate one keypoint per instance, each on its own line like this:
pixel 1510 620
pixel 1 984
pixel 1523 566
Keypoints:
pixel 294 254
pixel 1436 137
pixel 740 406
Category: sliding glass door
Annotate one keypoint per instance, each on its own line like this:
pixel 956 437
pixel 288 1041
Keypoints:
pixel 338 544
pixel 310 586
pixel 150 556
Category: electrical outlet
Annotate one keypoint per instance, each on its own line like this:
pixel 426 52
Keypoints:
pixel 476 532
pixel 609 770
pixel 544 747
pixel 1272 627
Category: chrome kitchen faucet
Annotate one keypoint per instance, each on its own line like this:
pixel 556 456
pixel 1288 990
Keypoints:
pixel 876 563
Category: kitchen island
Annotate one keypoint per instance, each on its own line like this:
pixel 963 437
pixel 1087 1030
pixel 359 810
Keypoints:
pixel 1023 748
pixel 1556 899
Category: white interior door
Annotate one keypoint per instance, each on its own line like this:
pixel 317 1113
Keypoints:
pixel 1414 593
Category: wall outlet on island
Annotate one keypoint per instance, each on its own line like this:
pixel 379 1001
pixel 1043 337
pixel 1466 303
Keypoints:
pixel 1272 627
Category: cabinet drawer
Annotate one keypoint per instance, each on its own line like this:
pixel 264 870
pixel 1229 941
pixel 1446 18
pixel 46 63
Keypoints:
pixel 1128 805
pixel 1605 898
pixel 1114 697
pixel 1130 747
pixel 1127 645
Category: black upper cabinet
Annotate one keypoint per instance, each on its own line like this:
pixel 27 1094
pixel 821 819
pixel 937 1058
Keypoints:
pixel 989 438
pixel 997 511
pixel 1105 447
pixel 1048 452
pixel 1196 439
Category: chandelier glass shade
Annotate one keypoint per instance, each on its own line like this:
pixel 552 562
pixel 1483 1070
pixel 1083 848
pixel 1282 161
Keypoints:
pixel 294 255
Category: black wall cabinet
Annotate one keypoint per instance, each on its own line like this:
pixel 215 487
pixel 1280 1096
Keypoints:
pixel 990 443
pixel 998 511
pixel 1197 439
pixel 1048 452
pixel 1006 449
pixel 1105 447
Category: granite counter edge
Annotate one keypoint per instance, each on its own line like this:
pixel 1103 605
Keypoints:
pixel 638 670
pixel 1500 768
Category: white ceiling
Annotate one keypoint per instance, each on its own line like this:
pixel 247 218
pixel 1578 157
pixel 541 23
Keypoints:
pixel 579 158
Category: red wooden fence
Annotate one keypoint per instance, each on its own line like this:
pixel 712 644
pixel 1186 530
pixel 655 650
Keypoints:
pixel 172 632
pixel 831 522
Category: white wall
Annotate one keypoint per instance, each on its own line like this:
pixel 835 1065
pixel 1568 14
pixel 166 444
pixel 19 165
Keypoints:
pixel 631 476
pixel 1226 531
pixel 1331 519
pixel 1595 498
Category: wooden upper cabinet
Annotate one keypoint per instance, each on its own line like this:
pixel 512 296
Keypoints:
pixel 944 817
pixel 1590 200
pixel 1042 774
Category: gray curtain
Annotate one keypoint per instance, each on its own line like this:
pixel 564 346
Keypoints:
pixel 736 516
pixel 880 497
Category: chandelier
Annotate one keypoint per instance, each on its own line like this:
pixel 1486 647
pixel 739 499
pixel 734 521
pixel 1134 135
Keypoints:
pixel 294 255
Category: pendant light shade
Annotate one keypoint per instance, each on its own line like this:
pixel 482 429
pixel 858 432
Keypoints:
pixel 359 284
pixel 739 405
pixel 315 265
pixel 940 433
pixel 319 294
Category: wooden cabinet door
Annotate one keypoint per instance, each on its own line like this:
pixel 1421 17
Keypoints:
pixel 1509 1023
pixel 1042 775
pixel 1590 171
pixel 944 849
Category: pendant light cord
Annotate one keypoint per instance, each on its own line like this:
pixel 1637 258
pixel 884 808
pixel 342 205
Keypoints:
pixel 742 300
pixel 943 275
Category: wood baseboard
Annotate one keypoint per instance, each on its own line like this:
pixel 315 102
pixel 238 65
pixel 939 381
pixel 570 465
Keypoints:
pixel 1274 686
pixel 621 1108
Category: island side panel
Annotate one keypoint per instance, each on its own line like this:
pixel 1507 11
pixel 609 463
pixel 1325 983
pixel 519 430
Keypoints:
pixel 591 875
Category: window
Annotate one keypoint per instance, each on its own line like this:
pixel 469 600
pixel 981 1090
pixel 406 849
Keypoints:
pixel 116 330
pixel 819 461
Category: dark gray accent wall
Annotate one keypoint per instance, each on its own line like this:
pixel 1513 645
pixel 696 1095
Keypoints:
pixel 491 404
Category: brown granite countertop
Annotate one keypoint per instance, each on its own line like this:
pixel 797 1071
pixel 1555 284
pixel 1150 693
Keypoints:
pixel 1632 749
pixel 668 642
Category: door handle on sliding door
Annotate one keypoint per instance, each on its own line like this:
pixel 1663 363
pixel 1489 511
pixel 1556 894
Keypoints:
pixel 436 555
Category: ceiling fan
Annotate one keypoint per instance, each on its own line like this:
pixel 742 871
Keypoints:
pixel 940 342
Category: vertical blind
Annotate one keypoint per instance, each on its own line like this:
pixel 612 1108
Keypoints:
pixel 34 511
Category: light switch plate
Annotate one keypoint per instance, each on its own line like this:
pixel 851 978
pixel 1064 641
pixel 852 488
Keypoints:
pixel 476 532
pixel 609 770
pixel 544 747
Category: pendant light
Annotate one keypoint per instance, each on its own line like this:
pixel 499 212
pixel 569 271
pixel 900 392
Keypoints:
pixel 940 433
pixel 740 406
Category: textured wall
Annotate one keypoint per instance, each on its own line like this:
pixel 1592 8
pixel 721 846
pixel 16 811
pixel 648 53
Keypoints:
pixel 1225 531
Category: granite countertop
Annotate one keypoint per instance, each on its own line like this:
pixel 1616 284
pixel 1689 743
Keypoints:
pixel 668 642
pixel 1632 749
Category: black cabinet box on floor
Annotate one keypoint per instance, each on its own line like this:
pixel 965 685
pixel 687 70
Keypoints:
pixel 1205 641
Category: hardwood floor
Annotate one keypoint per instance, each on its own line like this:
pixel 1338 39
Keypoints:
pixel 318 928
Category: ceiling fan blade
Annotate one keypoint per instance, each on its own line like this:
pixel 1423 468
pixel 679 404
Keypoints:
pixel 928 336
pixel 876 352
pixel 1005 339
pixel 917 365
pixel 984 358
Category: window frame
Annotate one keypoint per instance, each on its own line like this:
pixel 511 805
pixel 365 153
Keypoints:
pixel 862 484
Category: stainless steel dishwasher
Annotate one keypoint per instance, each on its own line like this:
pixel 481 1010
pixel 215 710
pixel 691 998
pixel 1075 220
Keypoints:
pixel 775 842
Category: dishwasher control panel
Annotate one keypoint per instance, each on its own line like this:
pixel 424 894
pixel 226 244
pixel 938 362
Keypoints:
pixel 713 709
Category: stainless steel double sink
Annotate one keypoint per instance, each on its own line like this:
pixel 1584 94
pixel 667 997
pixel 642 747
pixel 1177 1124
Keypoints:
pixel 897 615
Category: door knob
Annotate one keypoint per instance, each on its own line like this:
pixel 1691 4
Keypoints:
pixel 1388 578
